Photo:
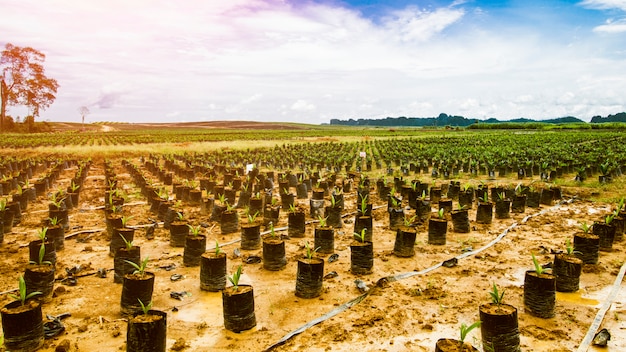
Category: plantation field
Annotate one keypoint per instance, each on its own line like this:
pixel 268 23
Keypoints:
pixel 408 303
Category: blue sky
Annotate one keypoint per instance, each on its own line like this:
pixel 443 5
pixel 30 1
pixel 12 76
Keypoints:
pixel 311 61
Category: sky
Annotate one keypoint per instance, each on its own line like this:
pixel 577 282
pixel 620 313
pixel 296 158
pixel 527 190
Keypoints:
pixel 312 61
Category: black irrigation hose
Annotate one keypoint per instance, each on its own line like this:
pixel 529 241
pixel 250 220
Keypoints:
pixel 380 282
pixel 318 320
pixel 584 345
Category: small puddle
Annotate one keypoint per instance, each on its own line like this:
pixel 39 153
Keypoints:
pixel 577 298
pixel 206 307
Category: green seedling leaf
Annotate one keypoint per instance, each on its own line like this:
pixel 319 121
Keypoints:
pixel 235 278
pixel 145 308
pixel 496 296
pixel 466 330
pixel 538 268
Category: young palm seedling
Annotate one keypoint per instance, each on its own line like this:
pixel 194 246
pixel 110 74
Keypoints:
pixel 218 250
pixel 538 268
pixel 441 213
pixel 620 205
pixel 310 252
pixel 194 230
pixel 54 221
pixel 74 187
pixel 125 219
pixel 128 244
pixel 58 201
pixel 235 278
pixel 222 198
pixel 145 308
pixel 41 234
pixel 23 297
pixel 496 296
pixel 333 201
pixel 272 232
pixel 518 189
pixel 361 236
pixel 395 203
pixel 141 268
pixel 409 221
pixel 322 221
pixel 585 227
pixel 569 249
pixel 466 330
pixel 163 194
pixel 42 253
pixel 364 205
pixel 252 218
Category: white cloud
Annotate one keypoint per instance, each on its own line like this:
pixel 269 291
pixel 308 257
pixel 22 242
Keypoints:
pixel 469 104
pixel 566 99
pixel 605 4
pixel 612 27
pixel 251 99
pixel 302 105
pixel 523 99
pixel 413 24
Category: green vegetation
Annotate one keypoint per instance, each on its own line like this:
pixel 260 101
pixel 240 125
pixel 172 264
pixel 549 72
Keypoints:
pixel 194 230
pixel 466 330
pixel 41 234
pixel 585 227
pixel 538 268
pixel 141 268
pixel 41 255
pixel 235 278
pixel 361 236
pixel 145 308
pixel 125 220
pixel 217 248
pixel 129 244
pixel 322 221
pixel 496 296
pixel 23 297
pixel 310 252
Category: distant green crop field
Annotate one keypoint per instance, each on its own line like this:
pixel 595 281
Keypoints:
pixel 185 135
pixel 446 150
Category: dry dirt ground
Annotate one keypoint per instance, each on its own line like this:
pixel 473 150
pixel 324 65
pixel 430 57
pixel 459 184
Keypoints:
pixel 406 315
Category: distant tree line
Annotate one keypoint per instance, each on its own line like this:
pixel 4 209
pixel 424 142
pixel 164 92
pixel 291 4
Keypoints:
pixel 619 117
pixel 460 121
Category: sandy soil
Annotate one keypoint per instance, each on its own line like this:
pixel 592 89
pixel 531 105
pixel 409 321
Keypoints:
pixel 406 315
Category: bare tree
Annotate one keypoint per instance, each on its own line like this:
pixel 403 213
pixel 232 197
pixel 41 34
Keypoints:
pixel 84 111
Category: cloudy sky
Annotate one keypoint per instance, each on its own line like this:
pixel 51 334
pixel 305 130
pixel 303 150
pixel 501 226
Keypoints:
pixel 310 61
